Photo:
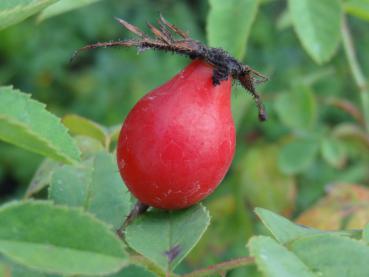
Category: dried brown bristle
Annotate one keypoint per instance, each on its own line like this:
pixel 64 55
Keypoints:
pixel 224 64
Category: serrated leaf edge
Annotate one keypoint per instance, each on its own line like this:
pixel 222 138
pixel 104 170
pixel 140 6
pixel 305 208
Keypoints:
pixel 82 213
pixel 207 213
pixel 268 226
pixel 185 253
pixel 78 210
pixel 32 133
pixel 58 154
pixel 340 235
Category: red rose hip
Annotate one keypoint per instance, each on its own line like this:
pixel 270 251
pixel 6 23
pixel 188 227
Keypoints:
pixel 178 141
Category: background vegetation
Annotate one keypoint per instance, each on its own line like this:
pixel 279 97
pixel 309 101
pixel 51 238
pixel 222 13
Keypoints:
pixel 308 162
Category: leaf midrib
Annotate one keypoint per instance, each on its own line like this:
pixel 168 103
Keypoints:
pixel 27 243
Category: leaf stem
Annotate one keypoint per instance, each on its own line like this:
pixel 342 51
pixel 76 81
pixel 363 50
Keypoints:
pixel 138 209
pixel 221 267
pixel 356 70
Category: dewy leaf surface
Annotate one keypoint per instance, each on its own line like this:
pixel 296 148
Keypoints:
pixel 25 123
pixel 274 260
pixel 62 240
pixel 14 11
pixel 229 24
pixel 317 24
pixel 94 185
pixel 167 237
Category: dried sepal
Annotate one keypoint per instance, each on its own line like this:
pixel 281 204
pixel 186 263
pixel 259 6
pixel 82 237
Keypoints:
pixel 224 64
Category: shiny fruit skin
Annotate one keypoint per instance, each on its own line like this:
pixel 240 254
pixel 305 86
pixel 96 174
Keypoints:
pixel 178 141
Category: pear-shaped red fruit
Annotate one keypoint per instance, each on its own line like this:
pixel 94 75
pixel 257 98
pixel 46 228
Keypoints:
pixel 177 143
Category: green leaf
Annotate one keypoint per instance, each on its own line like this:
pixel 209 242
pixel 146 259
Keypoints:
pixel 70 185
pixel 5 270
pixel 20 271
pixel 25 123
pixel 79 125
pixel 352 133
pixel 229 24
pixel 274 260
pixel 297 155
pixel 366 233
pixel 42 177
pixel 133 271
pixel 281 228
pixel 332 255
pixel 297 109
pixel 57 239
pixel 263 184
pixel 94 185
pixel 63 6
pixel 317 24
pixel 333 152
pixel 88 146
pixel 284 20
pixel 166 237
pixel 358 8
pixel 14 11
pixel 240 105
pixel 114 132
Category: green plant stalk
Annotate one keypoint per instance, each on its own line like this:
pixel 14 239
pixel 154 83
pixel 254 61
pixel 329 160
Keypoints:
pixel 207 271
pixel 356 70
pixel 221 267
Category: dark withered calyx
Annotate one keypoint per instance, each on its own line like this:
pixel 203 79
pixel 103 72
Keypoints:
pixel 224 64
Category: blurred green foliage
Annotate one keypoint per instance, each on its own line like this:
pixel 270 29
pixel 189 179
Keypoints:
pixel 315 135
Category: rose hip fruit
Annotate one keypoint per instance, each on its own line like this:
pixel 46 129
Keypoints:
pixel 178 141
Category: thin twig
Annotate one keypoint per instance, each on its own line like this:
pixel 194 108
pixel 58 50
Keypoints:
pixel 221 267
pixel 148 265
pixel 356 70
